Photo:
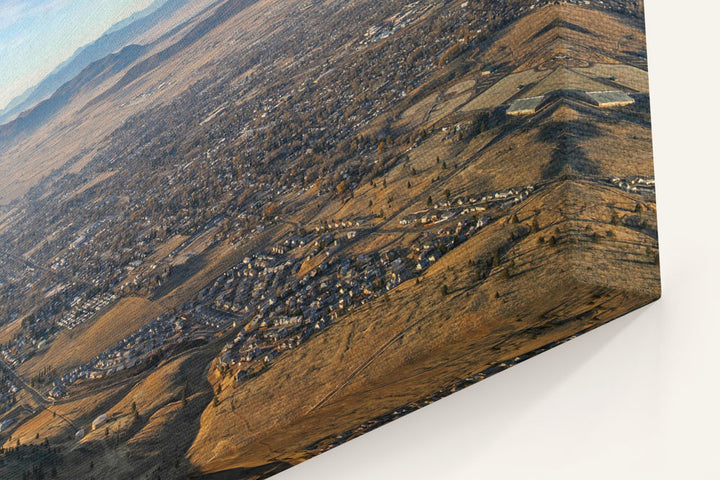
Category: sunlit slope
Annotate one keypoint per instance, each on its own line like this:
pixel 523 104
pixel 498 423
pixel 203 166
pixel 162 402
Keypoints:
pixel 568 259
pixel 416 341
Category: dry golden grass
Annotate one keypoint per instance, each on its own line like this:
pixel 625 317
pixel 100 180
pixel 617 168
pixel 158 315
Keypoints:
pixel 504 90
pixel 164 250
pixel 460 87
pixel 182 287
pixel 9 329
pixel 427 160
pixel 521 46
pixel 77 346
pixel 563 78
pixel 162 418
pixel 70 417
pixel 164 385
pixel 43 425
pixel 197 247
pixel 421 109
pixel 625 75
pixel 445 108
pixel 629 153
pixel 95 181
pixel 415 341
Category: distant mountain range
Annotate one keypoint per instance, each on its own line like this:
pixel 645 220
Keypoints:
pixel 115 39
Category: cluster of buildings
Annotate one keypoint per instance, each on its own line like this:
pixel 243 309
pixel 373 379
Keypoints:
pixel 9 353
pixel 339 224
pixel 116 241
pixel 280 307
pixel 642 185
pixel 430 248
pixel 405 17
pixel 127 353
pixel 8 391
pixel 213 319
pixel 284 309
pixel 83 310
pixel 447 209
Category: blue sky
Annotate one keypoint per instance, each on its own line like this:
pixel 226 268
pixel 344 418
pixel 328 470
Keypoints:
pixel 38 35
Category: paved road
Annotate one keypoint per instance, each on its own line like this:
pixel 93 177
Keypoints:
pixel 43 402
pixel 39 398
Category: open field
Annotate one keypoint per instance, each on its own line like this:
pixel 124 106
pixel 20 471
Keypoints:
pixel 625 75
pixel 563 78
pixel 461 87
pixel 81 344
pixel 584 36
pixel 504 90
pixel 95 181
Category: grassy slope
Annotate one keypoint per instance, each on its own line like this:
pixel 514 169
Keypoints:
pixel 83 343
pixel 416 342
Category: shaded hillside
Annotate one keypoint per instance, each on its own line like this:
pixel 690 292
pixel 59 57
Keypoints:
pixel 224 13
pixel 91 76
pixel 112 41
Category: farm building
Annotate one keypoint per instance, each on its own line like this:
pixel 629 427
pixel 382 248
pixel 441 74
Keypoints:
pixel 611 99
pixel 525 106
pixel 99 421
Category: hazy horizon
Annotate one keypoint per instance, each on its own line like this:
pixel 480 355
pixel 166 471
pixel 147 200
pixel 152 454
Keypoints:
pixel 38 35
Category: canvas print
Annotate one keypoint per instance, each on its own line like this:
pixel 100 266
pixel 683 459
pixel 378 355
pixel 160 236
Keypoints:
pixel 235 234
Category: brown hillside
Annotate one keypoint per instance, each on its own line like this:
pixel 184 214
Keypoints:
pixel 81 344
pixel 405 347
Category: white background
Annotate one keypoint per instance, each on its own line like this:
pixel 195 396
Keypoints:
pixel 638 398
